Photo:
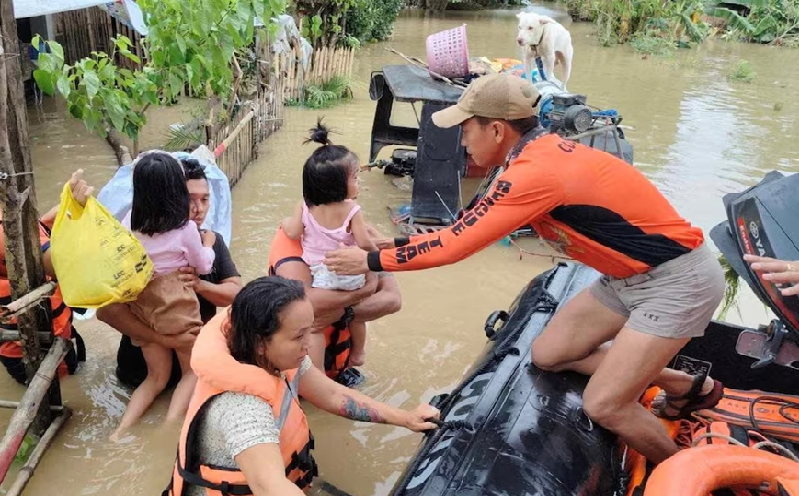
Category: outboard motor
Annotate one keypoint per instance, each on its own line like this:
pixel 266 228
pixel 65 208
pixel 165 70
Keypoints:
pixel 762 221
pixel 568 115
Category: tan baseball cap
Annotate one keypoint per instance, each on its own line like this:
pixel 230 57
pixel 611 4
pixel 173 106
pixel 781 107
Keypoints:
pixel 496 96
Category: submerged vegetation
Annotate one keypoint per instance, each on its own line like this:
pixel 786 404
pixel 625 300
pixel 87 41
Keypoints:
pixel 658 27
pixel 742 71
pixel 730 290
pixel 622 21
pixel 324 95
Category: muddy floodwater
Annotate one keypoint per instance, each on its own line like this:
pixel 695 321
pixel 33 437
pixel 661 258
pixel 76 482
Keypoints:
pixel 696 134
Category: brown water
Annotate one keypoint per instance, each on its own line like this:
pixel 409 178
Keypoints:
pixel 697 135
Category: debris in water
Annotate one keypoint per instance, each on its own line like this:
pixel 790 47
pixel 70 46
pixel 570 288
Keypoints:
pixel 404 183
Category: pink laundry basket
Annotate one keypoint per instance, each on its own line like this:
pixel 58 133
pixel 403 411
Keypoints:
pixel 447 53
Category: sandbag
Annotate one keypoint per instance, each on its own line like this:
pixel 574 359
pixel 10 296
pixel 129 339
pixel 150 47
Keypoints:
pixel 96 260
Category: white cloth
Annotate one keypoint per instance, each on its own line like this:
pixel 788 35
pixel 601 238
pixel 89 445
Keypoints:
pixel 323 278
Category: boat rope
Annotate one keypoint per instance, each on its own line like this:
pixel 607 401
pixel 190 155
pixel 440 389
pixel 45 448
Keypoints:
pixel 773 400
pixel 761 445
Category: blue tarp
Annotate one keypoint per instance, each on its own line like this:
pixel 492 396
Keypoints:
pixel 117 194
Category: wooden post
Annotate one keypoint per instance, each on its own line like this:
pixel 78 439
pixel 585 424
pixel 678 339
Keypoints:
pixel 18 201
pixel 30 405
pixel 90 30
pixel 26 472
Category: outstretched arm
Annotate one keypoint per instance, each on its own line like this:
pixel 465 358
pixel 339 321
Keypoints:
pixel 328 395
pixel 521 194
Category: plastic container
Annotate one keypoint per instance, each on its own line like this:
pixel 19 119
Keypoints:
pixel 448 53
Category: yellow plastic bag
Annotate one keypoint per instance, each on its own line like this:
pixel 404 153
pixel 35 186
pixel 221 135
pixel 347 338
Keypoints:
pixel 96 260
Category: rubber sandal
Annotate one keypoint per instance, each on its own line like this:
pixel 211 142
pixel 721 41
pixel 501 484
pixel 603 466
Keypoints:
pixel 695 400
pixel 350 378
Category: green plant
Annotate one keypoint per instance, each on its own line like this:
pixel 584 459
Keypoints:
pixel 368 20
pixel 742 72
pixel 99 93
pixel 730 290
pixel 652 45
pixel 328 93
pixel 181 137
pixel 323 20
pixel 182 48
pixel 619 21
pixel 760 21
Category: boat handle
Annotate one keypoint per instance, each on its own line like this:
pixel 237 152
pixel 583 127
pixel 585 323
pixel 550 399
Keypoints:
pixel 492 320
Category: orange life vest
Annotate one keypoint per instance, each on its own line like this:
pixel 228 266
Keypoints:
pixel 60 313
pixel 337 349
pixel 636 466
pixel 217 372
pixel 699 471
pixel 337 336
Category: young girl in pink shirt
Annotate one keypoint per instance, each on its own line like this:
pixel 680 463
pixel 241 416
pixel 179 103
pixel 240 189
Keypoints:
pixel 328 216
pixel 159 218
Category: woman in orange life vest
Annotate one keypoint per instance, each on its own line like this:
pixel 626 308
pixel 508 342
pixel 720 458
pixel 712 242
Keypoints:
pixel 245 431
pixel 10 352
pixel 329 343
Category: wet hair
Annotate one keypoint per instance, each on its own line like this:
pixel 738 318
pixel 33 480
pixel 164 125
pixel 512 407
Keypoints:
pixel 255 316
pixel 161 200
pixel 327 171
pixel 521 126
pixel 193 169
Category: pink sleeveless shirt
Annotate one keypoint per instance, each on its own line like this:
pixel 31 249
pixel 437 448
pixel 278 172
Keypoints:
pixel 318 240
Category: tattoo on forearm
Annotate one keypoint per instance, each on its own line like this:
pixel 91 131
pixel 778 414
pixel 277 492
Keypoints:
pixel 359 411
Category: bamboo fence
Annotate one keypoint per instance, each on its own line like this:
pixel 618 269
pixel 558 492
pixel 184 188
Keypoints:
pixel 87 30
pixel 235 142
pixel 326 64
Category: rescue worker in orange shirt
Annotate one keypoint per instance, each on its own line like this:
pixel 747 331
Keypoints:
pixel 660 283
pixel 11 352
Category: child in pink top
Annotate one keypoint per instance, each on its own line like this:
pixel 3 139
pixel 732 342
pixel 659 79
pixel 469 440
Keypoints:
pixel 159 218
pixel 327 217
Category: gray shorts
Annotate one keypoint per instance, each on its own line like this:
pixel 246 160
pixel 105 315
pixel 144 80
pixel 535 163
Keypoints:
pixel 676 299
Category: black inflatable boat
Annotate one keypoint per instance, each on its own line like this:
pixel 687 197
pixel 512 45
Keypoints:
pixel 512 429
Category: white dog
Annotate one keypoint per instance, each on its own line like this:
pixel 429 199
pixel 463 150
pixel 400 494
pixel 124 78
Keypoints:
pixel 543 36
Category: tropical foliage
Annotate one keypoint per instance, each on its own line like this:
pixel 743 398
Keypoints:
pixel 760 21
pixel 182 48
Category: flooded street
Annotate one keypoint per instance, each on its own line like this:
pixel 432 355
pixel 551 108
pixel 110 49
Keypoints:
pixel 696 134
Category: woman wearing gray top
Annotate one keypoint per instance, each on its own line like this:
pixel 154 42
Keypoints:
pixel 245 432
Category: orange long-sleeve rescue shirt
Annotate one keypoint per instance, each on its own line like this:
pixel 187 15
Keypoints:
pixel 590 205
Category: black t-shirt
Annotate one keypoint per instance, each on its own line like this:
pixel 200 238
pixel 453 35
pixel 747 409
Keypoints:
pixel 223 268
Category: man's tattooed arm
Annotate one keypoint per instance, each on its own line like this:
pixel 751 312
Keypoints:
pixel 359 411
